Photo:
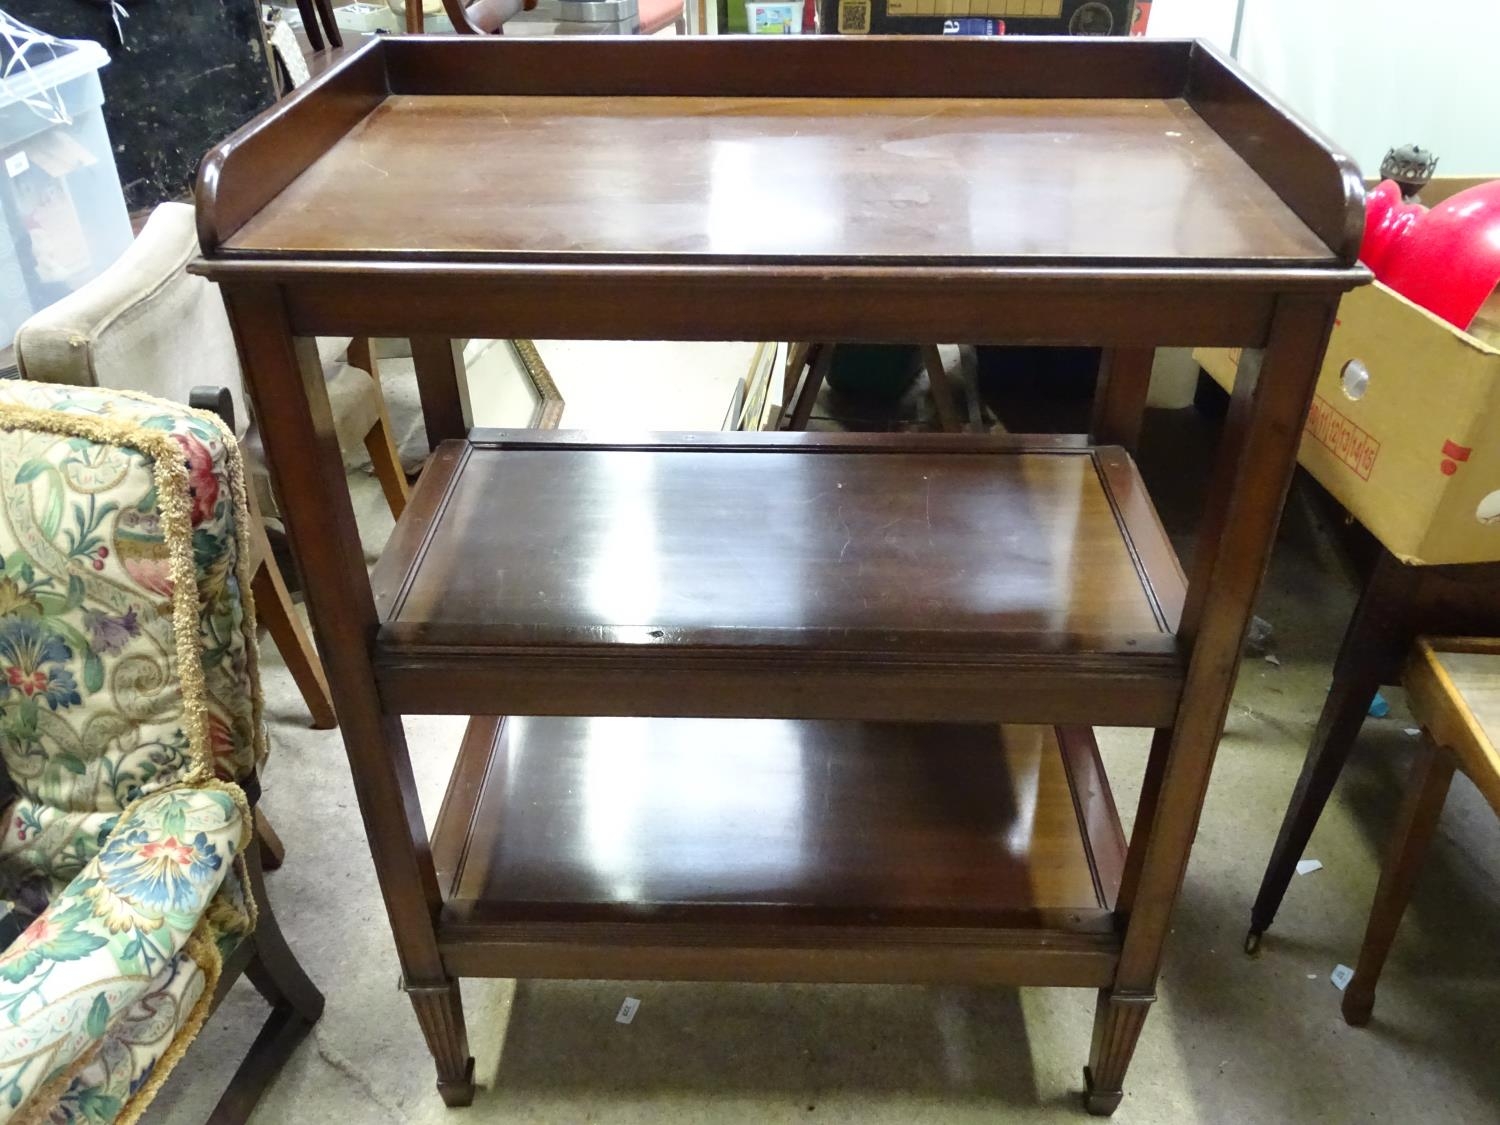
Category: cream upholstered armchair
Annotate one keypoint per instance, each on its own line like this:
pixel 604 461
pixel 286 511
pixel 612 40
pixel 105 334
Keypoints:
pixel 146 324
pixel 132 738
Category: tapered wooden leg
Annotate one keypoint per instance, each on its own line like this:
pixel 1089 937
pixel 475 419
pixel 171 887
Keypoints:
pixel 285 380
pixel 1416 824
pixel 942 390
pixel 379 442
pixel 440 1011
pixel 273 606
pixel 387 463
pixel 1377 635
pixel 1118 1020
pixel 1271 395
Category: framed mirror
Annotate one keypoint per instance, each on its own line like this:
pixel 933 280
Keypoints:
pixel 507 386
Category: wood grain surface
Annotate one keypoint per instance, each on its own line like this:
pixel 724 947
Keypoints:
pixel 784 179
pixel 715 546
pixel 847 817
pixel 1453 685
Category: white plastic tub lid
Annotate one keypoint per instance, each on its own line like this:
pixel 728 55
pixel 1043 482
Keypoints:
pixel 39 72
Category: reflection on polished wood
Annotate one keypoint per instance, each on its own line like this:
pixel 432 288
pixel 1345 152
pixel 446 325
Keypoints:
pixel 870 818
pixel 682 545
pixel 727 552
pixel 786 179
pixel 600 823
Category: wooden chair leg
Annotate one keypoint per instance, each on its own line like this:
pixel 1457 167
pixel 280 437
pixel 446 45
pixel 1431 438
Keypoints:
pixel 272 850
pixel 309 14
pixel 799 411
pixel 296 1003
pixel 1377 636
pixel 1120 399
pixel 943 400
pixel 379 442
pixel 797 357
pixel 1416 823
pixel 273 605
pixel 330 22
pixel 387 463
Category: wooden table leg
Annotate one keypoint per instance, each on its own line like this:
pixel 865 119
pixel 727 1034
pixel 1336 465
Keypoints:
pixel 1378 635
pixel 1271 396
pixel 1120 398
pixel 439 363
pixel 1416 824
pixel 291 399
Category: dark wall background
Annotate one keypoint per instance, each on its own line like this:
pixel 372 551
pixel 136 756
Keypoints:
pixel 189 73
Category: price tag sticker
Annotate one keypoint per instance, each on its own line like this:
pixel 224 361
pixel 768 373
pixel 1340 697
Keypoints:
pixel 627 1010
pixel 16 163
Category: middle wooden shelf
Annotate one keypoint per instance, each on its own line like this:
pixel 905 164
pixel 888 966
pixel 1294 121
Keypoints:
pixel 781 576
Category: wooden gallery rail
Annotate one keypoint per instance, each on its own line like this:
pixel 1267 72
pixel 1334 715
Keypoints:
pixel 757 681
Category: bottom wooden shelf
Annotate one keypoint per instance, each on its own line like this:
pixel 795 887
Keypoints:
pixel 764 849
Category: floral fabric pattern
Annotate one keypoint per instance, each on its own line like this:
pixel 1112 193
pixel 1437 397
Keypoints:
pixel 91 707
pixel 134 1045
pixel 129 704
pixel 110 937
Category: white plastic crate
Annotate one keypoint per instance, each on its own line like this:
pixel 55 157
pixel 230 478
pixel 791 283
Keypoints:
pixel 62 211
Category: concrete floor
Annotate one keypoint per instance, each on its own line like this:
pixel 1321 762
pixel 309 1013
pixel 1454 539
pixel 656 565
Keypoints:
pixel 1232 1039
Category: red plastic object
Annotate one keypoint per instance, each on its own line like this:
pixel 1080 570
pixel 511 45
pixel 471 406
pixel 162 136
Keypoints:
pixel 1446 259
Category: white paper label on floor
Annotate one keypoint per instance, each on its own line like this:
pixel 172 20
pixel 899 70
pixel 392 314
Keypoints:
pixel 627 1010
pixel 1341 976
pixel 1308 866
pixel 16 164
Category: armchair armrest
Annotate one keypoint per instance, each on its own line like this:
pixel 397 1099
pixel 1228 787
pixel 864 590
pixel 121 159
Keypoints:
pixel 103 940
pixel 144 324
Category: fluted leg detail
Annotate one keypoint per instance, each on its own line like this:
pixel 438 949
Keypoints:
pixel 440 1011
pixel 1117 1025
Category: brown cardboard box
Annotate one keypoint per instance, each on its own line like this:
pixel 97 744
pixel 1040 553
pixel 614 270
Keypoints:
pixel 1414 454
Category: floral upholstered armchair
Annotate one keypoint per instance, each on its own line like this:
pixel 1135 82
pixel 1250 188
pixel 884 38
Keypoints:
pixel 131 733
